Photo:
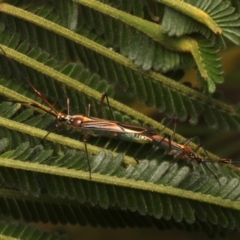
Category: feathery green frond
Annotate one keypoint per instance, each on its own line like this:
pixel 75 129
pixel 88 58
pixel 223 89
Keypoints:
pixel 80 49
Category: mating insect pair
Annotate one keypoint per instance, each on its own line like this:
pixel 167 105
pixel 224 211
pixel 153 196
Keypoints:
pixel 90 126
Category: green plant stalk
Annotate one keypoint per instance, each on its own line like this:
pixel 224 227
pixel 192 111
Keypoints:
pixel 153 30
pixel 140 185
pixel 58 139
pixel 194 13
pixel 75 85
pixel 86 90
pixel 186 44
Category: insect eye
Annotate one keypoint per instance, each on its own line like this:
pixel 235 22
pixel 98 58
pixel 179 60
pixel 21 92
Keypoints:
pixel 76 122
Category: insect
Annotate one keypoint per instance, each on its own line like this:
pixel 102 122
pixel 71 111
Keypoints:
pixel 184 152
pixel 179 151
pixel 87 125
pixel 91 126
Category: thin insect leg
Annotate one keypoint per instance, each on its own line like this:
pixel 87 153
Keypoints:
pixel 154 147
pixel 88 110
pixel 188 141
pixel 39 107
pixel 205 164
pixel 139 149
pixel 51 131
pixel 86 137
pixel 174 128
pixel 177 157
pixel 216 177
pixel 158 143
pixel 170 142
pixel 202 161
pixel 86 150
pixel 173 163
pixel 208 157
pixel 104 95
pixel 68 106
pixel 135 158
pixel 196 149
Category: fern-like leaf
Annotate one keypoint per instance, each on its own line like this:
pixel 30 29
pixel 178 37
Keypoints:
pixel 48 180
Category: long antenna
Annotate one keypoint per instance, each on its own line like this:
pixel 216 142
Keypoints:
pixel 30 84
pixel 52 111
